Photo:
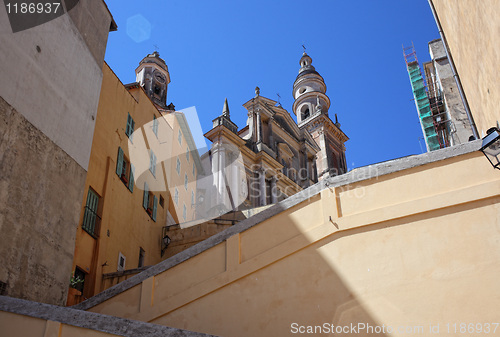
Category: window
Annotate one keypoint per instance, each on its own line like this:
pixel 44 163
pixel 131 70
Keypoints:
pixel 284 167
pixel 155 126
pixel 129 130
pixel 91 220
pixel 121 262
pixel 149 202
pixel 152 163
pixel 142 254
pixel 178 167
pixel 79 277
pixel 187 154
pixel 184 212
pixel 192 197
pixel 186 181
pixel 3 288
pixel 176 196
pixel 162 201
pixel 304 112
pixel 125 170
pixel 179 137
pixel 194 173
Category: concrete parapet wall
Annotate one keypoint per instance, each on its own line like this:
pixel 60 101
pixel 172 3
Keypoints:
pixel 25 318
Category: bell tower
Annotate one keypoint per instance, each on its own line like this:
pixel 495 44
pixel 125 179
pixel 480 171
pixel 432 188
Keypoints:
pixel 309 92
pixel 152 74
pixel 311 106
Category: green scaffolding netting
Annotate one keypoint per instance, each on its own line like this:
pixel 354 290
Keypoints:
pixel 423 106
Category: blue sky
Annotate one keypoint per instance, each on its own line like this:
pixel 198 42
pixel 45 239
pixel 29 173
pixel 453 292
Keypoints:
pixel 218 49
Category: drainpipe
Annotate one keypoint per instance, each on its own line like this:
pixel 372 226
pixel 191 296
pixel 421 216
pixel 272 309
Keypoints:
pixel 454 70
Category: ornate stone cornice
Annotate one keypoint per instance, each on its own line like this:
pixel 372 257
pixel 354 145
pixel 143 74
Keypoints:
pixel 328 126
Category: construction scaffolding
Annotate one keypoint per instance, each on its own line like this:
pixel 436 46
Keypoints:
pixel 430 116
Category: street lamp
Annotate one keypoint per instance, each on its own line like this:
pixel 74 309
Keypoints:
pixel 491 147
pixel 165 240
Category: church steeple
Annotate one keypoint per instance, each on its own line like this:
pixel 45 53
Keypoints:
pixel 225 109
pixel 152 74
pixel 311 106
pixel 224 119
pixel 309 92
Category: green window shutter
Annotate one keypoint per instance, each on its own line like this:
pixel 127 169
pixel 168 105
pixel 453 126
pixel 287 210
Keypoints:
pixel 129 126
pixel 155 203
pixel 90 215
pixel 145 200
pixel 132 128
pixel 152 163
pixel 131 178
pixel 119 162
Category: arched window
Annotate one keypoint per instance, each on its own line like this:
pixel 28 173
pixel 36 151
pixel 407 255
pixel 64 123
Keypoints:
pixel 304 112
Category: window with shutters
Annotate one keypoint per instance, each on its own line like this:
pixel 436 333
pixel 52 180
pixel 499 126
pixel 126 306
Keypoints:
pixel 179 137
pixel 178 166
pixel 91 219
pixel 125 170
pixel 192 197
pixel 187 154
pixel 184 212
pixel 129 129
pixel 186 180
pixel 152 163
pixel 194 172
pixel 155 126
pixel 150 202
pixel 176 196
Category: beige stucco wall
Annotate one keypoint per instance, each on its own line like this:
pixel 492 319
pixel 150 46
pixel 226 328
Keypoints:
pixel 472 30
pixel 57 88
pixel 179 150
pixel 406 249
pixel 15 325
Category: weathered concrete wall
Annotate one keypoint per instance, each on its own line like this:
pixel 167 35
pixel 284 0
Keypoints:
pixel 397 244
pixel 40 194
pixel 472 30
pixel 92 20
pixel 49 89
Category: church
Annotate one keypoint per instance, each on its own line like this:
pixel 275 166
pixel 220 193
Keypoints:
pixel 273 157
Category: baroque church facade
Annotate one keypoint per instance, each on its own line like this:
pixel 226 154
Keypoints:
pixel 274 157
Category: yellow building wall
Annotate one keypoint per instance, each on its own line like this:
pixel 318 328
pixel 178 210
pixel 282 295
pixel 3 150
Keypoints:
pixel 472 30
pixel 125 225
pixel 412 250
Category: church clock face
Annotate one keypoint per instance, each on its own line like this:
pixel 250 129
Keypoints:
pixel 159 77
